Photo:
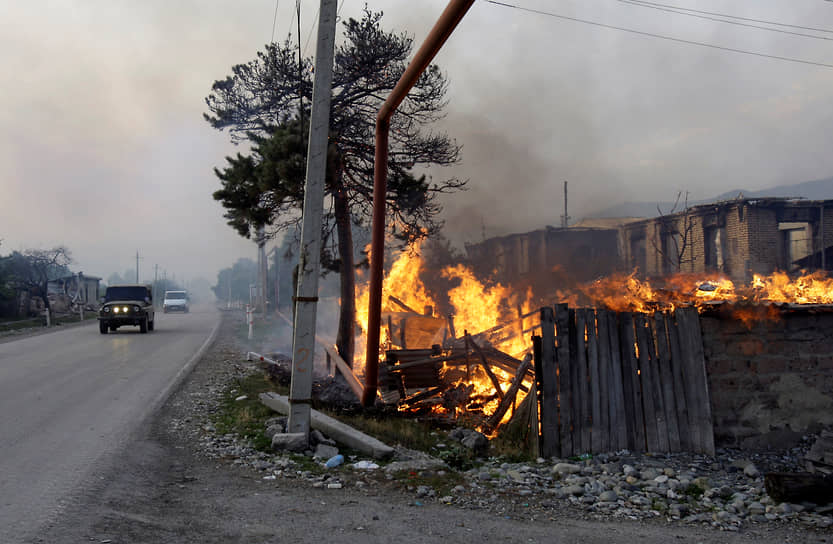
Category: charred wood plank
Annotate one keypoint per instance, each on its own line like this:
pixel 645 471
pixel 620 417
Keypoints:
pixel 582 389
pixel 511 393
pixel 616 402
pixel 566 411
pixel 655 428
pixel 402 305
pixel 600 365
pixel 547 375
pixel 487 368
pixel 632 389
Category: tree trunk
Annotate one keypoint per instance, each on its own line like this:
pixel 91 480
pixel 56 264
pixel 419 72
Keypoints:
pixel 346 338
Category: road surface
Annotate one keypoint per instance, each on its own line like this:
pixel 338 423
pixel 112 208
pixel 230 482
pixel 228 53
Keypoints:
pixel 70 398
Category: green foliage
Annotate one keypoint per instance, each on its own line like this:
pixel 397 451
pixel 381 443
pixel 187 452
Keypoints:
pixel 259 103
pixel 693 490
pixel 236 280
pixel 246 417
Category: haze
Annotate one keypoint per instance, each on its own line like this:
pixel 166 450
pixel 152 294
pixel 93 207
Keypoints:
pixel 104 148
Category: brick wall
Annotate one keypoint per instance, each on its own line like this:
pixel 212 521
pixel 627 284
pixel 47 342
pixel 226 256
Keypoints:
pixel 769 379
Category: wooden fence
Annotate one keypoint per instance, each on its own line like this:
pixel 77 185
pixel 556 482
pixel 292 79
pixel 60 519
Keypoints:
pixel 609 381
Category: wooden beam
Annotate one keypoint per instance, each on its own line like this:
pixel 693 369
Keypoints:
pixel 402 305
pixel 487 368
pixel 511 393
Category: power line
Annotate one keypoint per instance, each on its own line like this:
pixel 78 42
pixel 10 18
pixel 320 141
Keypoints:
pixel 736 17
pixel 315 22
pixel 660 36
pixel 737 23
pixel 275 20
pixel 311 28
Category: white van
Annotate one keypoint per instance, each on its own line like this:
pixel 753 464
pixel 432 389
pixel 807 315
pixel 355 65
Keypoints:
pixel 175 301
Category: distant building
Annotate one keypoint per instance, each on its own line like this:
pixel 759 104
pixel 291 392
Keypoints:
pixel 737 238
pixel 541 258
pixel 78 288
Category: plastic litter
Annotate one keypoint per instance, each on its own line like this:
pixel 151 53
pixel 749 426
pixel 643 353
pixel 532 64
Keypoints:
pixel 367 465
pixel 334 461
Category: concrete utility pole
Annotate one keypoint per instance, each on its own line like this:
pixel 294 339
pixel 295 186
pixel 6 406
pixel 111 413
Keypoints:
pixel 303 343
pixel 565 219
pixel 137 266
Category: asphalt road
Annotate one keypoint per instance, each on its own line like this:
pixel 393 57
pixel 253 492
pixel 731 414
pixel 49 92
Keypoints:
pixel 69 399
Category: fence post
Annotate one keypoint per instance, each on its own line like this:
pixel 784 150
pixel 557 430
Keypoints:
pixel 250 320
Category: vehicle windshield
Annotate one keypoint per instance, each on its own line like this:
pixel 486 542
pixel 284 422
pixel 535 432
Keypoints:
pixel 175 295
pixel 126 293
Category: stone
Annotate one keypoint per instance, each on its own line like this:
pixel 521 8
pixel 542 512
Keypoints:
pixel 756 509
pixel 295 442
pixel 751 470
pixel 323 451
pixel 317 437
pixel 608 496
pixel 566 468
pixel 477 442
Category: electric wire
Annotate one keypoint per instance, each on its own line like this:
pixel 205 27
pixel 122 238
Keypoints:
pixel 737 23
pixel 776 23
pixel 660 36
pixel 275 21
pixel 311 28
pixel 315 23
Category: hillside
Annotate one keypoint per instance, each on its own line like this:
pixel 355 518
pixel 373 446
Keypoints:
pixel 820 189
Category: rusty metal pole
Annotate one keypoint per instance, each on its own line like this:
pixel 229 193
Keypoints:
pixel 445 25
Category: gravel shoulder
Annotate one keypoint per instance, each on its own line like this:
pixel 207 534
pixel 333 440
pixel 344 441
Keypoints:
pixel 177 481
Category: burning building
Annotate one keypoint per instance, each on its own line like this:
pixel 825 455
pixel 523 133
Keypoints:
pixel 661 334
pixel 737 238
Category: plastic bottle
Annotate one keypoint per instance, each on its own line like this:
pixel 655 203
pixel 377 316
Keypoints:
pixel 334 461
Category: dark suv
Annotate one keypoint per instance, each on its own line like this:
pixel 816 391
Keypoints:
pixel 126 305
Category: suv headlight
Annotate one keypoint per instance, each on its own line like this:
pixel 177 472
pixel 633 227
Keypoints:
pixel 106 309
pixel 136 308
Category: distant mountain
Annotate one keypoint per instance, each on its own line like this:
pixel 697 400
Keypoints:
pixel 820 189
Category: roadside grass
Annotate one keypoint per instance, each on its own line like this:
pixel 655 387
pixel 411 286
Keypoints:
pixel 247 417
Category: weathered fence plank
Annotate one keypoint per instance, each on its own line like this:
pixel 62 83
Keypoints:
pixel 653 412
pixel 565 388
pixel 548 377
pixel 697 386
pixel 593 383
pixel 616 402
pixel 667 381
pixel 679 383
pixel 605 385
pixel 585 401
pixel 630 381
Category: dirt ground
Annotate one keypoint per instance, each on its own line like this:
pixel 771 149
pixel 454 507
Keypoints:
pixel 159 489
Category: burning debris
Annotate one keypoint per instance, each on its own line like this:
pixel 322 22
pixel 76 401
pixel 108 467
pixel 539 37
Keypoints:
pixel 464 354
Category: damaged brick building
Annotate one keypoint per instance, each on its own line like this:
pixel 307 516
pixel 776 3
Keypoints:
pixel 738 238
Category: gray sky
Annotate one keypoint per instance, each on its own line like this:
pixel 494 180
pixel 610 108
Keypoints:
pixel 103 147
